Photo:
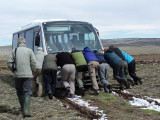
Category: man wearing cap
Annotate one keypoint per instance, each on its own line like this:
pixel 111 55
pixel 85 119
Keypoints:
pixel 25 65
pixel 38 73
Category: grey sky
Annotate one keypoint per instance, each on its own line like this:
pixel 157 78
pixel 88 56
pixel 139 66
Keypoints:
pixel 113 18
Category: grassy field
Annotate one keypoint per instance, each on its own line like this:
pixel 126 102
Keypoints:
pixel 115 107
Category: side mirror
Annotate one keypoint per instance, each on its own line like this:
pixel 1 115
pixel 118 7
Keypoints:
pixel 37 40
pixel 96 31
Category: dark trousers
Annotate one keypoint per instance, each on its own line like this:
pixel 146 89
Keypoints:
pixel 49 77
pixel 118 71
pixel 132 69
pixel 23 86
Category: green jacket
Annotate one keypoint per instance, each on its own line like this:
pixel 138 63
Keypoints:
pixel 25 62
pixel 78 58
pixel 50 62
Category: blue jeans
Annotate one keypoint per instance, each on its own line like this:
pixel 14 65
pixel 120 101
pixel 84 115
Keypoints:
pixel 23 86
pixel 104 73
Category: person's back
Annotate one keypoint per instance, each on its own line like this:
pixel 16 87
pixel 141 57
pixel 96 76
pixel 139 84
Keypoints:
pixel 40 57
pixel 38 90
pixel 50 62
pixel 65 61
pixel 49 74
pixel 128 57
pixel 103 72
pixel 64 58
pixel 81 67
pixel 111 57
pixel 119 53
pixel 93 66
pixel 118 66
pixel 79 59
pixel 25 63
pixel 89 55
pixel 132 67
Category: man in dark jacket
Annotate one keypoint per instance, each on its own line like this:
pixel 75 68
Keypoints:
pixel 93 66
pixel 126 73
pixel 49 74
pixel 117 65
pixel 81 66
pixel 103 72
pixel 65 61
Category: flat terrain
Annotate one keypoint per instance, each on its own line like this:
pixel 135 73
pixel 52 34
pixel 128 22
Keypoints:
pixel 116 107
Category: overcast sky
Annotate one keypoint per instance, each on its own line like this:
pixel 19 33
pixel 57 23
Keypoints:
pixel 113 18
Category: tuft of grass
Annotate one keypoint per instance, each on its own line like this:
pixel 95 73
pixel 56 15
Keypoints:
pixel 150 111
pixel 5 108
pixel 106 98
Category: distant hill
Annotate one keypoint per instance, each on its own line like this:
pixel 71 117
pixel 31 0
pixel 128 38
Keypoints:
pixel 6 48
pixel 135 42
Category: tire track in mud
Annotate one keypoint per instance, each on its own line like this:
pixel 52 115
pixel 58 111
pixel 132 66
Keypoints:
pixel 83 111
pixel 129 96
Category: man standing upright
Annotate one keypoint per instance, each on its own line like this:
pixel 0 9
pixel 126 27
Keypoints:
pixel 38 73
pixel 25 64
pixel 50 74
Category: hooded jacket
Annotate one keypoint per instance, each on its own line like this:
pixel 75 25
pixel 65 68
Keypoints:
pixel 100 57
pixel 128 57
pixel 112 58
pixel 89 55
pixel 25 62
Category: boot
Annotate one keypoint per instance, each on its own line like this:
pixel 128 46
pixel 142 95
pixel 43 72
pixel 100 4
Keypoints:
pixel 21 102
pixel 109 88
pixel 26 107
pixel 131 82
pixel 82 90
pixel 125 83
pixel 140 80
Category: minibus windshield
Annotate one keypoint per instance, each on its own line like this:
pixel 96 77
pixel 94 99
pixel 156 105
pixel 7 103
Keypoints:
pixel 64 37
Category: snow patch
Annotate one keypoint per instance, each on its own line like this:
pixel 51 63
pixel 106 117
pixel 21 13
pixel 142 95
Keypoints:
pixel 81 102
pixel 145 104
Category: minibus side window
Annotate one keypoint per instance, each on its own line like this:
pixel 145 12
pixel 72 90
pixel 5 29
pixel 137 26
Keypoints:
pixel 14 42
pixel 29 39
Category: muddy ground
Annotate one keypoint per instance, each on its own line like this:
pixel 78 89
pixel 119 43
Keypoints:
pixel 115 107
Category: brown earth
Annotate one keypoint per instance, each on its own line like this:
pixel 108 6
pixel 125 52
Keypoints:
pixel 116 107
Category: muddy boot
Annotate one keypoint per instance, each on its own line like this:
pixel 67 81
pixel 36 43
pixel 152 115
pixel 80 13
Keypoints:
pixel 135 82
pixel 96 91
pixel 67 92
pixel 140 80
pixel 109 88
pixel 131 82
pixel 82 91
pixel 21 102
pixel 26 112
pixel 125 83
pixel 121 87
pixel 50 95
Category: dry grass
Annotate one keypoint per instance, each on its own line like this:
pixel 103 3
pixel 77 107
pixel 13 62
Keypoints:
pixel 142 50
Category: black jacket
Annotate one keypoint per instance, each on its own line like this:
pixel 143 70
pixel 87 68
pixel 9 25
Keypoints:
pixel 119 53
pixel 64 58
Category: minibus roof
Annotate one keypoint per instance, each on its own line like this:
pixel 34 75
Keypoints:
pixel 39 22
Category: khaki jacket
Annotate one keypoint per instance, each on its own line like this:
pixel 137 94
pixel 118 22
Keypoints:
pixel 25 62
pixel 40 57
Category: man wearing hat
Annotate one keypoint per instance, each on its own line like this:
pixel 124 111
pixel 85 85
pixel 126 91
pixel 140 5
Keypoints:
pixel 25 64
pixel 38 73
